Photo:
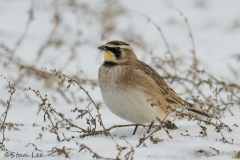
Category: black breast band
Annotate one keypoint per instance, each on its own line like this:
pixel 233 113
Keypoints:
pixel 109 64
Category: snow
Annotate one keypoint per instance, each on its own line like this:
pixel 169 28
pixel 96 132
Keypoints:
pixel 216 40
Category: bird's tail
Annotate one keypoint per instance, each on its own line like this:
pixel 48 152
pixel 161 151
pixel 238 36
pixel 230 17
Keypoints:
pixel 193 108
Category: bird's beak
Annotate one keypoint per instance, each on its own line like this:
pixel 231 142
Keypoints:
pixel 102 48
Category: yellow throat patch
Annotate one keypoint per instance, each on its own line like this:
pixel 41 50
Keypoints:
pixel 109 56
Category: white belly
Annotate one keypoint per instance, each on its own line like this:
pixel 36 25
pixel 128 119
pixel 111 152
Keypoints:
pixel 130 105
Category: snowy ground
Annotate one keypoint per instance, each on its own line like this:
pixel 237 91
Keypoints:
pixel 216 29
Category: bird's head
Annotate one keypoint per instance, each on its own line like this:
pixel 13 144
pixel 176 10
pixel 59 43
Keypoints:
pixel 118 52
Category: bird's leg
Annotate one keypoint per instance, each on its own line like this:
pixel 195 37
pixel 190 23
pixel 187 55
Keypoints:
pixel 135 129
pixel 150 127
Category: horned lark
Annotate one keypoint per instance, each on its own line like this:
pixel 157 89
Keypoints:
pixel 133 90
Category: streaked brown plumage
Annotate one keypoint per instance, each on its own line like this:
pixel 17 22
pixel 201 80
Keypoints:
pixel 133 90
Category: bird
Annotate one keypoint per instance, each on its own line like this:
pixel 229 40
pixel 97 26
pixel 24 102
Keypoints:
pixel 133 90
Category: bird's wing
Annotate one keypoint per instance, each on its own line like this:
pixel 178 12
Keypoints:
pixel 160 87
pixel 168 93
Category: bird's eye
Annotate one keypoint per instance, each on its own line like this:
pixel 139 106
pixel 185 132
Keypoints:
pixel 118 49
